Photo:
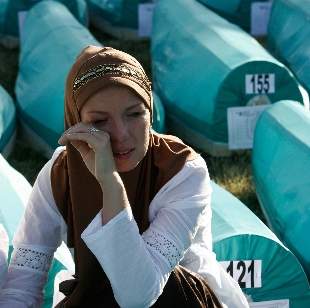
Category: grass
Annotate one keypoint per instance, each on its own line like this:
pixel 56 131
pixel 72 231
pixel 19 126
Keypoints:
pixel 233 173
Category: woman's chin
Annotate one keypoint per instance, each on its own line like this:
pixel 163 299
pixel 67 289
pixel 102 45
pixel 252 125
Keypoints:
pixel 125 166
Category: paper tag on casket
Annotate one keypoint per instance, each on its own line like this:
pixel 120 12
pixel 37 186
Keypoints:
pixel 145 18
pixel 21 19
pixel 282 303
pixel 248 273
pixel 241 122
pixel 260 13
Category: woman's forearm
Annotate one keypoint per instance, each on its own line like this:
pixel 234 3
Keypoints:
pixel 114 197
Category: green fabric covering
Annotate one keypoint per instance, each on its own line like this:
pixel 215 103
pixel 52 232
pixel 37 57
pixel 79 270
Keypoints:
pixel 118 13
pixel 236 11
pixel 53 39
pixel 288 36
pixel 14 193
pixel 7 118
pixel 239 235
pixel 280 166
pixel 158 124
pixel 9 13
pixel 199 65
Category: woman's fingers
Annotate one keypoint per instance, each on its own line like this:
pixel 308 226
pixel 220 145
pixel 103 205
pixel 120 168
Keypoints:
pixel 94 147
pixel 93 137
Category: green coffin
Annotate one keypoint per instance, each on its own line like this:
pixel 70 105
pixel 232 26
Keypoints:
pixel 289 36
pixel 14 193
pixel 10 9
pixel 236 11
pixel 118 17
pixel 265 268
pixel 202 65
pixel 53 38
pixel 7 122
pixel 281 167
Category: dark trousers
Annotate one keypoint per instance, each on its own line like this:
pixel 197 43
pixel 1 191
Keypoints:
pixel 183 289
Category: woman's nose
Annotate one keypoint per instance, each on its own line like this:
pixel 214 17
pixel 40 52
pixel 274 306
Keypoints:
pixel 118 131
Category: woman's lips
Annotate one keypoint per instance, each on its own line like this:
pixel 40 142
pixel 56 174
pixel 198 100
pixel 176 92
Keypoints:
pixel 122 155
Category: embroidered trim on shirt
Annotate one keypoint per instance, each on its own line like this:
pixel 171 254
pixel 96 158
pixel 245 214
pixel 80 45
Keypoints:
pixel 166 248
pixel 29 258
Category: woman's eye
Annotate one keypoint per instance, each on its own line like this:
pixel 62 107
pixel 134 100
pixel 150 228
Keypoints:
pixel 100 123
pixel 137 114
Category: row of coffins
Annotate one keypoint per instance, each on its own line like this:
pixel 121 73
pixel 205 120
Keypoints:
pixel 244 248
pixel 203 66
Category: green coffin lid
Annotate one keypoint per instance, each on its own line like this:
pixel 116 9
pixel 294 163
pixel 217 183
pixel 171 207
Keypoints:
pixel 238 235
pixel 52 40
pixel 14 193
pixel 9 10
pixel 200 64
pixel 281 167
pixel 118 18
pixel 236 11
pixel 7 118
pixel 289 36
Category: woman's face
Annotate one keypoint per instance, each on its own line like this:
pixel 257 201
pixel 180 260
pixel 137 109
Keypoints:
pixel 121 113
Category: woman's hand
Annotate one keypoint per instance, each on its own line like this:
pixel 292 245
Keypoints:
pixel 95 148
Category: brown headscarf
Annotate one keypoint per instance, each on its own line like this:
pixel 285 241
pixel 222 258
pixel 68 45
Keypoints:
pixel 76 191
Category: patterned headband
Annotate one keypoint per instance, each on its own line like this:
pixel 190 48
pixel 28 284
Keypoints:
pixel 121 70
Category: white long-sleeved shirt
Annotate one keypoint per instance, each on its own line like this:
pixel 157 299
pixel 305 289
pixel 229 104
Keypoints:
pixel 138 266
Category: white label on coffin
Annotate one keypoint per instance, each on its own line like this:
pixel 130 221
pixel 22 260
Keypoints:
pixel 145 17
pixel 21 19
pixel 241 125
pixel 259 83
pixel 246 272
pixel 282 303
pixel 260 13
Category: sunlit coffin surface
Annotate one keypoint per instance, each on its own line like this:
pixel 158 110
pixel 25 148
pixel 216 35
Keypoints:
pixel 253 255
pixel 53 38
pixel 280 167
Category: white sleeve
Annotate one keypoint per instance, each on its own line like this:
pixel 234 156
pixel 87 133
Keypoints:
pixel 39 233
pixel 138 266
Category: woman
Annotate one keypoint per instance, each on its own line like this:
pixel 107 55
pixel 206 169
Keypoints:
pixel 134 205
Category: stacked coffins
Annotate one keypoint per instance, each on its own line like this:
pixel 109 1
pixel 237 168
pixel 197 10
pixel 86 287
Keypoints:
pixel 203 66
